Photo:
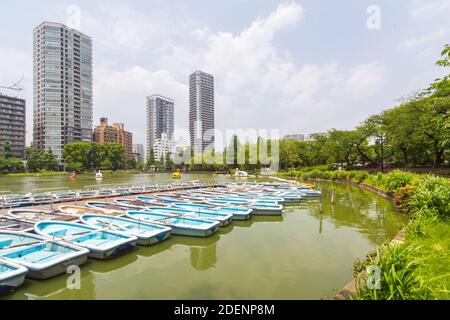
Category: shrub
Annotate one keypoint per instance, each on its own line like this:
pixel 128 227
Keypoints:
pixel 399 279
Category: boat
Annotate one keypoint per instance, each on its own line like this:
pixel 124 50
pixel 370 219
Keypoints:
pixel 102 244
pixel 12 276
pixel 146 233
pixel 42 198
pixel 7 223
pixel 87 194
pixel 164 199
pixel 65 196
pixel 180 225
pixel 17 200
pixel 42 257
pixel 99 175
pixel 241 174
pixel 111 207
pixel 196 213
pixel 136 204
pixel 258 208
pixel 239 213
pixel 78 210
pixel 38 215
pixel 176 174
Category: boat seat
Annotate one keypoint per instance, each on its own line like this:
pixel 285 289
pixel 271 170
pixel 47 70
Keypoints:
pixel 58 233
pixel 5 243
pixel 40 256
pixel 97 242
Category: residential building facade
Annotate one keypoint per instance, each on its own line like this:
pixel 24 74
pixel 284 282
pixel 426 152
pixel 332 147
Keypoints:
pixel 62 87
pixel 138 153
pixel 201 111
pixel 160 125
pixel 105 133
pixel 12 124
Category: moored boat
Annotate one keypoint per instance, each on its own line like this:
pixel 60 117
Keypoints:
pixel 146 233
pixel 7 223
pixel 12 276
pixel 38 215
pixel 78 210
pixel 196 213
pixel 42 257
pixel 239 213
pixel 180 225
pixel 102 244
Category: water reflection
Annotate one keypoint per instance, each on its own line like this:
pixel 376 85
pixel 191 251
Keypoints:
pixel 257 219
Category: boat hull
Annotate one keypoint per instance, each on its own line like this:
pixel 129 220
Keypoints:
pixel 12 279
pixel 56 269
pixel 258 211
pixel 113 252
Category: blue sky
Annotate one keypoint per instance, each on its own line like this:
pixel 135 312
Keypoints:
pixel 297 66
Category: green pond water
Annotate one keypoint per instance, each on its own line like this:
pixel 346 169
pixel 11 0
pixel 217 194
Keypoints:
pixel 302 254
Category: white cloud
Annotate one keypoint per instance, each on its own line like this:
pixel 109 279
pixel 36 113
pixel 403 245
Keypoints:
pixel 365 80
pixel 425 39
pixel 429 9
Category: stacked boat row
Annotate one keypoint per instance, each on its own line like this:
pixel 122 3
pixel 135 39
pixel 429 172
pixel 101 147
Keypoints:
pixel 9 200
pixel 103 230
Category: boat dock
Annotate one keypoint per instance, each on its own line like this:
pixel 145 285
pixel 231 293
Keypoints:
pixel 53 205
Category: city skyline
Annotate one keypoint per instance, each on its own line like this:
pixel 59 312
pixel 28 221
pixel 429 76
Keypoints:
pixel 274 58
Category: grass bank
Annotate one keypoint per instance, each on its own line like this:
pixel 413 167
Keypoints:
pixel 419 268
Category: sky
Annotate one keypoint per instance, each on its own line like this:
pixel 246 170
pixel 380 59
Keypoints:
pixel 295 66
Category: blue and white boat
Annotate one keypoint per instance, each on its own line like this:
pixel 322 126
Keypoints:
pixel 102 244
pixel 42 257
pixel 259 208
pixel 146 233
pixel 150 200
pixel 196 213
pixel 12 276
pixel 239 213
pixel 180 225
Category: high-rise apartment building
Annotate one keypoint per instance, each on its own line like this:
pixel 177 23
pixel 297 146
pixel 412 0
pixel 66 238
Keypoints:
pixel 105 133
pixel 12 124
pixel 201 111
pixel 62 87
pixel 138 153
pixel 160 125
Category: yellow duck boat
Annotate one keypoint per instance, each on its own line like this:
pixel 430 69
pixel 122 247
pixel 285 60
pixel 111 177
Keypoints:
pixel 176 174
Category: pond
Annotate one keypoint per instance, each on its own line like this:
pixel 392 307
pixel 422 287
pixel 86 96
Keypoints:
pixel 303 254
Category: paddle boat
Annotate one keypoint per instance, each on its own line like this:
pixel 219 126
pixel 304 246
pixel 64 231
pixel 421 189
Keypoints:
pixel 223 218
pixel 78 210
pixel 146 233
pixel 12 276
pixel 239 213
pixel 241 174
pixel 180 225
pixel 87 194
pixel 99 175
pixel 176 174
pixel 38 215
pixel 102 244
pixel 7 223
pixel 42 257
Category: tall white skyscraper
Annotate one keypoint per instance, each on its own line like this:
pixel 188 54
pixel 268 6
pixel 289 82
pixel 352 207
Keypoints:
pixel 62 87
pixel 160 125
pixel 201 111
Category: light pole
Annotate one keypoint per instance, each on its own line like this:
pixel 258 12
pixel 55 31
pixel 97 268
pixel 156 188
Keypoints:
pixel 381 140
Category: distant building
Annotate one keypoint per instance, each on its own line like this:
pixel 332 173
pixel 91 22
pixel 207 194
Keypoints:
pixel 12 124
pixel 104 133
pixel 62 87
pixel 160 125
pixel 138 153
pixel 296 137
pixel 201 111
pixel 163 146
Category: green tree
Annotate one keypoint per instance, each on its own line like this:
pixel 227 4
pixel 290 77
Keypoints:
pixel 6 150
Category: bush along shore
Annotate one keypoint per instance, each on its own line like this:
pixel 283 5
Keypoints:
pixel 418 267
